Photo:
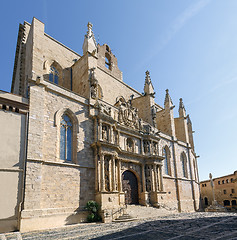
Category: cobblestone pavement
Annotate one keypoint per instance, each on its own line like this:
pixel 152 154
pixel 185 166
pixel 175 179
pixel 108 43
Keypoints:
pixel 211 226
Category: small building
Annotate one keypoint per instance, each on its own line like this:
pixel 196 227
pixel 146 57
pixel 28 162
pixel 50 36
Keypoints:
pixel 74 131
pixel 225 190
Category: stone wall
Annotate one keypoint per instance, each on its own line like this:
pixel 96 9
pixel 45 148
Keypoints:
pixel 13 118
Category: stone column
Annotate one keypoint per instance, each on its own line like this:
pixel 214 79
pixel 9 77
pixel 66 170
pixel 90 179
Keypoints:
pixel 142 147
pixel 160 178
pixel 112 135
pixel 119 176
pixel 118 138
pixel 102 179
pixel 155 175
pixel 152 179
pixel 114 172
pixel 143 178
pixel 100 129
pixel 110 174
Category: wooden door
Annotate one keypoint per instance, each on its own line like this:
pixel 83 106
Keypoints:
pixel 130 187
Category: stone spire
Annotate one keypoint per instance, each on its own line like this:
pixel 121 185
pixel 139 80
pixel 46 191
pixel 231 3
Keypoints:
pixel 89 44
pixel 148 87
pixel 168 101
pixel 182 112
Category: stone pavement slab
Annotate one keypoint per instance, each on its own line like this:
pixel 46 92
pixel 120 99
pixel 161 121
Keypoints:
pixel 183 226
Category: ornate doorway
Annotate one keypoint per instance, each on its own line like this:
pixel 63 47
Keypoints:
pixel 130 187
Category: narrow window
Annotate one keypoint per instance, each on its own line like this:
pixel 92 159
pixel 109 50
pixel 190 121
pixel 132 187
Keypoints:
pixel 232 190
pixel 219 182
pixel 53 75
pixel 184 165
pixel 66 138
pixel 10 108
pixel 108 61
pixel 227 180
pixel 224 191
pixel 223 181
pixel 231 179
pixel 4 107
pixel 233 202
pixel 166 165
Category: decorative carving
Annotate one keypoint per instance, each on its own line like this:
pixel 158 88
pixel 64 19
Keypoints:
pixel 105 109
pixel 148 178
pixel 128 115
pixel 107 171
pixel 93 84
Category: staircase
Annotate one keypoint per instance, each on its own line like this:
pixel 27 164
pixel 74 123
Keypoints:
pixel 143 212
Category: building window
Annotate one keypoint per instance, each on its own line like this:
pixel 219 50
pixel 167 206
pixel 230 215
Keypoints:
pixel 223 181
pixel 226 203
pixel 184 165
pixel 233 202
pixel 219 182
pixel 206 201
pixel 53 75
pixel 66 138
pixel 166 163
pixel 224 191
pixel 166 167
pixel 231 179
pixel 227 180
pixel 108 61
pixel 232 190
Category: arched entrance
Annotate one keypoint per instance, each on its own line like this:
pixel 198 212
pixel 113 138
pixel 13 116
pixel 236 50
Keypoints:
pixel 130 187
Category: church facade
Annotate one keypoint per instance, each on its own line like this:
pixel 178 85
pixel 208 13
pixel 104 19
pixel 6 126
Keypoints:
pixel 87 135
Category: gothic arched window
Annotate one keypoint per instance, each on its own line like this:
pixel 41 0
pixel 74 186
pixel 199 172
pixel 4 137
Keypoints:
pixel 184 165
pixel 166 167
pixel 166 164
pixel 66 138
pixel 53 75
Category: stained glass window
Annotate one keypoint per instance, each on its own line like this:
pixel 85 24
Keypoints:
pixel 166 166
pixel 53 75
pixel 66 138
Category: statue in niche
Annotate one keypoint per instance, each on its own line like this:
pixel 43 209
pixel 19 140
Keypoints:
pixel 115 137
pixel 105 133
pixel 146 146
pixel 155 148
pixel 129 145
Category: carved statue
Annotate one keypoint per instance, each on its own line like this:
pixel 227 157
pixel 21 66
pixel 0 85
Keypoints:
pixel 105 133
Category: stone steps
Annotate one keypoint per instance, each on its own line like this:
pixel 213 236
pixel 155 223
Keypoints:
pixel 124 218
pixel 142 212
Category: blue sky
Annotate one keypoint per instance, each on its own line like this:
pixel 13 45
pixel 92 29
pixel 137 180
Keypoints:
pixel 189 47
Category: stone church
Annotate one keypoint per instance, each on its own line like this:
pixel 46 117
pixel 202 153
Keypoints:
pixel 73 131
